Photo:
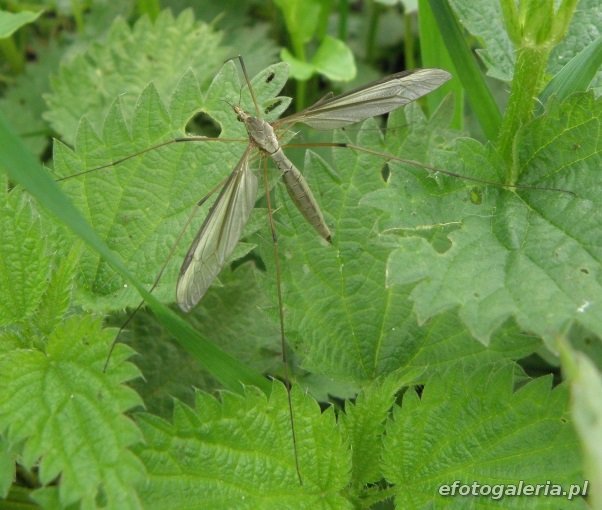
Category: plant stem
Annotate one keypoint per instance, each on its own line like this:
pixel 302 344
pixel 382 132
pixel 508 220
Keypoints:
pixel 343 16
pixel 408 40
pixel 372 29
pixel 15 59
pixel 301 87
pixel 528 72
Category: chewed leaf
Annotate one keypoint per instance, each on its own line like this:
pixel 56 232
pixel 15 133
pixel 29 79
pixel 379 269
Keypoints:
pixel 339 312
pixel 533 255
pixel 141 205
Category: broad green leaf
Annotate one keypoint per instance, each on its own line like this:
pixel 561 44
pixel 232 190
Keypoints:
pixel 11 22
pixel 334 60
pixel 123 65
pixel 474 425
pixel 238 453
pixel 141 206
pixel 299 69
pixel 35 281
pixel 236 315
pixel 529 254
pixel 69 415
pixel 340 317
pixel 23 169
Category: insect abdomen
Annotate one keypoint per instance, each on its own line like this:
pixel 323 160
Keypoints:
pixel 301 194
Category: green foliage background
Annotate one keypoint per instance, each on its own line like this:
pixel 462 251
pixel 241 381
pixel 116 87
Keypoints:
pixel 417 338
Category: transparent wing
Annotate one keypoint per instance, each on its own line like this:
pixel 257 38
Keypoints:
pixel 376 98
pixel 218 235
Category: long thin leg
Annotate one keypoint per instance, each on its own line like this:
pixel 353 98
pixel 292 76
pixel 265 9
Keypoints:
pixel 161 271
pixel 417 164
pixel 281 316
pixel 152 148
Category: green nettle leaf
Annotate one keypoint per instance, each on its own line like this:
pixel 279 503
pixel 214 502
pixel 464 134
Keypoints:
pixel 67 413
pixel 236 314
pixel 529 254
pixel 341 317
pixel 469 425
pixel 140 206
pixel 22 280
pixel 238 453
pixel 364 422
pixel 123 65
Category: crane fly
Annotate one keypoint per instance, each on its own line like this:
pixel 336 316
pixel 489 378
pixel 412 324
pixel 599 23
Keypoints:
pixel 224 224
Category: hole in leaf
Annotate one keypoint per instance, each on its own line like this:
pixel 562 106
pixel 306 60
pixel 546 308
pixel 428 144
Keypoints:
pixel 203 125
pixel 584 270
pixel 270 77
pixel 385 172
pixel 249 257
pixel 271 107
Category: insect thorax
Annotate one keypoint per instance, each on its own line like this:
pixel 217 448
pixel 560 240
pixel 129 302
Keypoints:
pixel 262 134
